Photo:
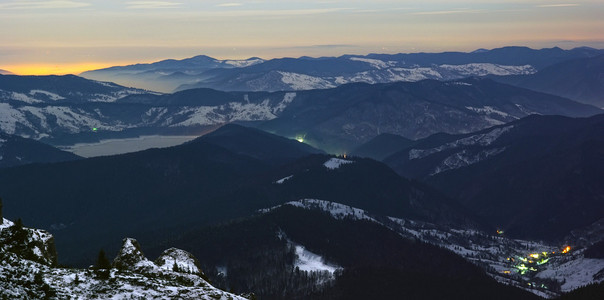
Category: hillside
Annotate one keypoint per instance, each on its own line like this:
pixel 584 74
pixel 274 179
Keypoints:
pixel 537 177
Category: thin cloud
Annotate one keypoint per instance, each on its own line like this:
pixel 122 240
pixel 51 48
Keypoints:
pixel 326 46
pixel 229 4
pixel 559 5
pixel 450 12
pixel 44 5
pixel 271 13
pixel 151 4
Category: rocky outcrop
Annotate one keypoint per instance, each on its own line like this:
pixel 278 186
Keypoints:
pixel 27 257
pixel 179 261
pixel 132 258
pixel 27 243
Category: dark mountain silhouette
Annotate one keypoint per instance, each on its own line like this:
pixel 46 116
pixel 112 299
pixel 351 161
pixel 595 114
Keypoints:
pixel 15 151
pixel 538 177
pixel 382 146
pixel 580 79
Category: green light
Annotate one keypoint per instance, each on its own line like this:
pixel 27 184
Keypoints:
pixel 301 140
pixel 543 261
pixel 94 129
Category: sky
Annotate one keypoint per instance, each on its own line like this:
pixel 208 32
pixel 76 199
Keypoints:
pixel 72 36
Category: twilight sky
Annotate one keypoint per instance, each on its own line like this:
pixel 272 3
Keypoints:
pixel 71 36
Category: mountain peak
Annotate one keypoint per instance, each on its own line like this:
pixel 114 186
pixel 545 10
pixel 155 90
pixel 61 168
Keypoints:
pixel 130 256
pixel 174 259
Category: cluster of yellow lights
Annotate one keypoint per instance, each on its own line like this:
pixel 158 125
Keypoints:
pixel 566 250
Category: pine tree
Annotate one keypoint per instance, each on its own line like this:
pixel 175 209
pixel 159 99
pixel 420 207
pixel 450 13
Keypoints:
pixel 102 262
pixel 18 224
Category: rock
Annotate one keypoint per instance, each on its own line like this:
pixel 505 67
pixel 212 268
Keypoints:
pixel 179 261
pixel 27 243
pixel 132 258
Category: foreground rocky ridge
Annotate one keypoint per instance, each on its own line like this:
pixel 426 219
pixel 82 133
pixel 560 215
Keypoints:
pixel 28 271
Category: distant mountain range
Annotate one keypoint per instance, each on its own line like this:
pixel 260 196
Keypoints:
pixel 166 75
pixel 54 89
pixel 5 72
pixel 304 73
pixel 335 120
pixel 579 79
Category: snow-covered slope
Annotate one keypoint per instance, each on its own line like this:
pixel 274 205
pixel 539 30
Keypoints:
pixel 376 71
pixel 463 156
pixel 334 163
pixel 541 268
pixel 43 120
pixel 60 89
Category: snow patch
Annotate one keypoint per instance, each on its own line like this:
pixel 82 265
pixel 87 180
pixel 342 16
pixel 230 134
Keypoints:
pixel 201 115
pixel 51 96
pixel 10 117
pixel 182 260
pixel 243 63
pixel 464 159
pixel 461 83
pixel 336 210
pixel 574 273
pixel 489 110
pixel 483 139
pixel 311 262
pixel 23 98
pixel 484 69
pixel 287 99
pixel 251 111
pixel 6 223
pixel 282 180
pixel 375 63
pixel 335 163
pixel 304 82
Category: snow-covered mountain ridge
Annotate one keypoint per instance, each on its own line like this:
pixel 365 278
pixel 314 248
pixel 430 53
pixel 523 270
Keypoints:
pixel 354 113
pixel 46 120
pixel 280 74
pixel 377 71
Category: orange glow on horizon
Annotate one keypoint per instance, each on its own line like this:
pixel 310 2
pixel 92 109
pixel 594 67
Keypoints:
pixel 56 69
